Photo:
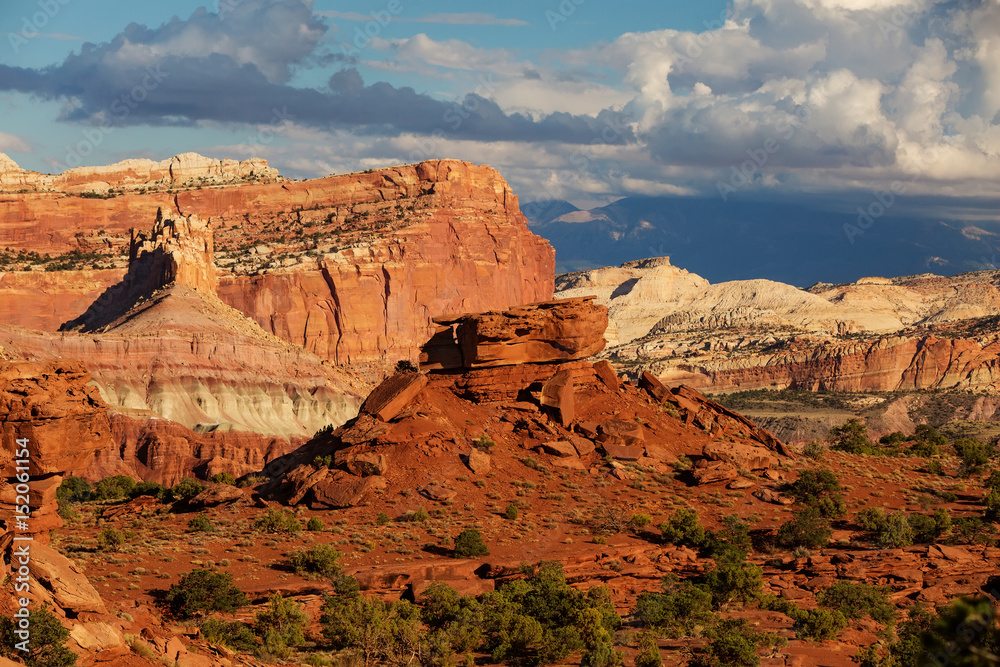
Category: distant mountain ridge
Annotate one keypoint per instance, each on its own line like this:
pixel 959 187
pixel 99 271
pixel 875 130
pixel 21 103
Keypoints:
pixel 790 243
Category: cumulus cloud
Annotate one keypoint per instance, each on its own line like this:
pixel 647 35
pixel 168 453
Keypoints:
pixel 818 96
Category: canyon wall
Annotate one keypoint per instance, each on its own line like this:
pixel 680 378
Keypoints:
pixel 351 267
pixel 910 333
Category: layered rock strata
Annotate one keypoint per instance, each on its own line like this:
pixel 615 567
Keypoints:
pixel 160 341
pixel 353 268
pixel 903 334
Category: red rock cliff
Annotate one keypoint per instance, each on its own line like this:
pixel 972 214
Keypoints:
pixel 351 267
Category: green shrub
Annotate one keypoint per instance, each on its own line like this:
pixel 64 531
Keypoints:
pixel 734 579
pixel 964 633
pixel 382 519
pixel 110 539
pixel 927 442
pixel 972 530
pixel 416 516
pixel 233 635
pixel 485 443
pixel 934 467
pixel 992 482
pixel 649 652
pixel 974 455
pixel 814 450
pixel 201 524
pixel 684 528
pixel 455 621
pixel 807 528
pixel 734 642
pixel 894 532
pixel 275 521
pixel 992 505
pixel 819 489
pixel 377 632
pixel 113 488
pixel 154 489
pixel 281 626
pixel 469 544
pixel 223 478
pixel 678 610
pixel 639 521
pixel 927 529
pixel 818 624
pixel 510 512
pixel 852 437
pixel 46 645
pixel 318 559
pixel 314 524
pixel 186 489
pixel 74 490
pixel 204 590
pixel 543 620
pixel 870 518
pixel 858 601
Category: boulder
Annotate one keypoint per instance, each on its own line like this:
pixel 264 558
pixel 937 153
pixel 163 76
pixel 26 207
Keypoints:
pixel 558 394
pixel 560 448
pixel 623 453
pixel 394 394
pixel 715 471
pixel 772 496
pixel 651 385
pixel 340 490
pixel 66 583
pixel 741 454
pixel 583 446
pixel 568 464
pixel 439 492
pixel 629 431
pixel 217 494
pixel 550 331
pixel 606 374
pixel 479 461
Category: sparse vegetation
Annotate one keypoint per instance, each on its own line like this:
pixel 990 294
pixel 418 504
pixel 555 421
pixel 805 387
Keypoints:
pixel 204 590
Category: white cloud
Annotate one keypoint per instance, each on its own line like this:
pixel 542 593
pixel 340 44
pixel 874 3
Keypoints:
pixel 14 143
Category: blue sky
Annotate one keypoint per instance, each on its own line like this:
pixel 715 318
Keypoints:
pixel 585 100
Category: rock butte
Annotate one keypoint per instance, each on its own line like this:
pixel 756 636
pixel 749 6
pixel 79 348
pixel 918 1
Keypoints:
pixel 879 334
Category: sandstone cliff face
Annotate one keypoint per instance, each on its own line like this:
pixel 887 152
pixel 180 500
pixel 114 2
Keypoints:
pixel 53 407
pixel 353 267
pixel 160 341
pixel 879 334
pixel 896 363
pixel 135 174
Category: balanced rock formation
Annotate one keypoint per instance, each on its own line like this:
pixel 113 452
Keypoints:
pixel 419 431
pixel 554 331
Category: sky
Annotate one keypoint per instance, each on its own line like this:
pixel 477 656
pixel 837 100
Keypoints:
pixel 583 100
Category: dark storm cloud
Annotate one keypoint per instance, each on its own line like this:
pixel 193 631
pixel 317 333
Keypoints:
pixel 236 65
